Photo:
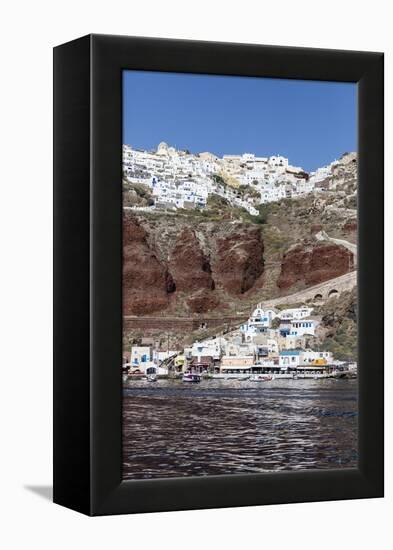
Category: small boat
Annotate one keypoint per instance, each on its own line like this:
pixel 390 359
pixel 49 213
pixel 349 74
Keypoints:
pixel 261 378
pixel 152 378
pixel 190 377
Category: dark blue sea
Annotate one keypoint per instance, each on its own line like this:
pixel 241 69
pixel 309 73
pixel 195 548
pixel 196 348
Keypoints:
pixel 173 429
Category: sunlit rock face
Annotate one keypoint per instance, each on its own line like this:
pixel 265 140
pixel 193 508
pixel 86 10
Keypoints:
pixel 312 264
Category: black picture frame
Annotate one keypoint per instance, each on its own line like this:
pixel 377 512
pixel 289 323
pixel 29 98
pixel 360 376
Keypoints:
pixel 88 274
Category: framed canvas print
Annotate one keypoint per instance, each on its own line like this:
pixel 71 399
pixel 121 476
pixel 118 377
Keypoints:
pixel 218 275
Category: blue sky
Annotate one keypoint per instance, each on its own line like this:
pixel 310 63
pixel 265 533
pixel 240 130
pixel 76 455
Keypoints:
pixel 310 122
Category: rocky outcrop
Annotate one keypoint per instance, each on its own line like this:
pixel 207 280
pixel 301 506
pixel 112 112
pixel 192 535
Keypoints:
pixel 311 264
pixel 337 331
pixel 177 267
pixel 239 259
pixel 147 282
pixel 203 301
pixel 192 274
pixel 189 265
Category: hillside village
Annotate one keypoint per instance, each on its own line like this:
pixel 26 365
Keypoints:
pixel 172 179
pixel 264 229
pixel 271 343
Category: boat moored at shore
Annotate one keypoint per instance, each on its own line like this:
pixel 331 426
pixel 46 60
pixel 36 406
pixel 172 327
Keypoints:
pixel 191 378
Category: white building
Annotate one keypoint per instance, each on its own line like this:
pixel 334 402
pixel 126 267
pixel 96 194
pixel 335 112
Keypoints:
pixel 140 355
pixel 301 327
pixel 278 162
pixel 272 346
pixel 208 348
pixel 289 358
pixel 263 316
pixel 308 356
pixel 179 179
pixel 321 174
pixel 245 349
pixel 258 323
pixel 295 313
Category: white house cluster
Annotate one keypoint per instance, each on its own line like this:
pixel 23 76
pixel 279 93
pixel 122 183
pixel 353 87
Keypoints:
pixel 179 179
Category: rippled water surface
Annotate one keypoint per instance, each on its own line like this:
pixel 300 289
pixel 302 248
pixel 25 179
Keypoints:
pixel 216 427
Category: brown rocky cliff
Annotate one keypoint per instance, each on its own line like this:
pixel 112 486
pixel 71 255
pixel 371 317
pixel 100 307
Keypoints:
pixel 202 301
pixel 146 281
pixel 239 259
pixel 313 264
pixel 192 274
pixel 188 264
pixel 172 266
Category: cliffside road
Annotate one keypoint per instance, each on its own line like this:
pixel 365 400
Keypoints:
pixel 322 236
pixel 320 292
pixel 183 324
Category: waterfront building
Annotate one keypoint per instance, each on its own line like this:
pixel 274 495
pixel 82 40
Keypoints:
pixel 261 351
pixel 237 360
pixel 310 356
pixel 289 358
pixel 235 349
pixel 238 363
pixel 210 348
pixel 202 363
pixel 140 355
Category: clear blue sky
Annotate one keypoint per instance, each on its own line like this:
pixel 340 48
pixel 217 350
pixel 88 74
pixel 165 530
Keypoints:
pixel 310 122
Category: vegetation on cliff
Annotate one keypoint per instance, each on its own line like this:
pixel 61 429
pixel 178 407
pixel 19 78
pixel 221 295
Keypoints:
pixel 338 330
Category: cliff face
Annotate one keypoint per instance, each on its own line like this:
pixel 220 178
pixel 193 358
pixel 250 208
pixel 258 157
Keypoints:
pixel 194 262
pixel 190 268
pixel 189 265
pixel 311 264
pixel 174 266
pixel 147 282
pixel 239 260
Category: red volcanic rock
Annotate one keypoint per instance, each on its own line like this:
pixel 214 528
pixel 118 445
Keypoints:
pixel 189 266
pixel 239 259
pixel 314 264
pixel 202 301
pixel 146 281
